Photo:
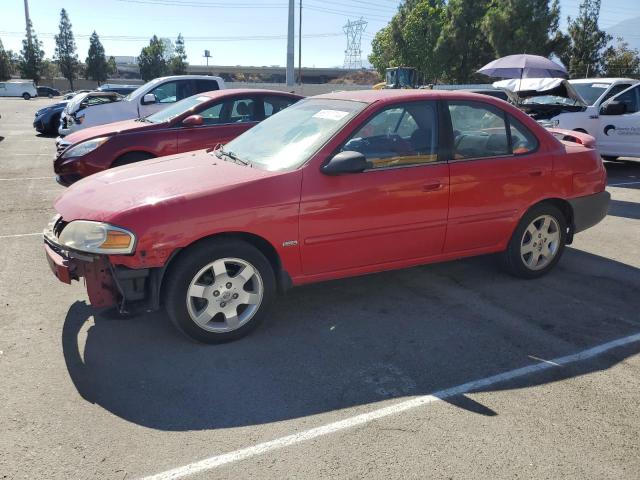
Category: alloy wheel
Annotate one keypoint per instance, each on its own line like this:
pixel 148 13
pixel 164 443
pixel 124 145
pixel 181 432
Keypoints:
pixel 224 295
pixel 540 242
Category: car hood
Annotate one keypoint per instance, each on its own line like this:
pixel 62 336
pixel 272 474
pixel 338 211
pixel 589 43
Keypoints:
pixel 109 129
pixel 75 102
pixel 107 195
pixel 521 89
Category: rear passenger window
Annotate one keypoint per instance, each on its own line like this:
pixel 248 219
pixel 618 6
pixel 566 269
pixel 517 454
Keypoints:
pixel 274 104
pixel 206 86
pixel 479 130
pixel 522 140
pixel 399 136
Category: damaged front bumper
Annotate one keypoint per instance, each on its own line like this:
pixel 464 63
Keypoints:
pixel 107 284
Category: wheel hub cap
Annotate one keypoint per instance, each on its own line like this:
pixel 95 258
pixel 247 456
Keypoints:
pixel 540 242
pixel 224 295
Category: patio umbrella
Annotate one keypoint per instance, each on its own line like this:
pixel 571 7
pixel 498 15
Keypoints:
pixel 524 66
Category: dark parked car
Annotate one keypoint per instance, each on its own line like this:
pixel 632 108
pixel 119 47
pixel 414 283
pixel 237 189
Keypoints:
pixel 114 87
pixel 201 121
pixel 48 92
pixel 48 118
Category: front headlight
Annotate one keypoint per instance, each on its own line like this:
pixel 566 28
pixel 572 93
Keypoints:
pixel 97 237
pixel 84 147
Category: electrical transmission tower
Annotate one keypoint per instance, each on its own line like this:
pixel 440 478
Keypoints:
pixel 353 53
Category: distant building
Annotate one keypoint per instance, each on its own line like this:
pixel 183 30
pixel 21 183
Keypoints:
pixel 125 60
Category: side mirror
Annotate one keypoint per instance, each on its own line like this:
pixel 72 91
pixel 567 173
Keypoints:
pixel 613 108
pixel 193 121
pixel 346 162
pixel 148 99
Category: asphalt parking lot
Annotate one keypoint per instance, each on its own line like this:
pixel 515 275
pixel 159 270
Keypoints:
pixel 453 370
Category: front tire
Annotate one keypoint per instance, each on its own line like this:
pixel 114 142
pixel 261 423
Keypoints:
pixel 537 243
pixel 219 290
pixel 26 96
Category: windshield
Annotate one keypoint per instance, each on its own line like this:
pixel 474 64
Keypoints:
pixel 177 109
pixel 287 139
pixel 590 91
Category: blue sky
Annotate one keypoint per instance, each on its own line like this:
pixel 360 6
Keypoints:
pixel 210 24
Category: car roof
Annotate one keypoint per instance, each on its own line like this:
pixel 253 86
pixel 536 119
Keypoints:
pixel 393 95
pixel 603 80
pixel 245 91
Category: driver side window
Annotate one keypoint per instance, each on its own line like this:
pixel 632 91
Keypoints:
pixel 401 135
pixel 630 100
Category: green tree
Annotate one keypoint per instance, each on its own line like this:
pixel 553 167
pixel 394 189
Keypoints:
pixel 421 30
pixel 31 56
pixel 97 67
pixel 65 53
pixel 410 39
pixel 584 54
pixel 49 69
pixel 112 67
pixel 462 46
pixel 6 68
pixel 621 61
pixel 178 64
pixel 151 60
pixel 523 26
pixel 383 52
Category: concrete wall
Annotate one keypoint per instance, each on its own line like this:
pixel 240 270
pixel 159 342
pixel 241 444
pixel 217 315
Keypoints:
pixel 306 89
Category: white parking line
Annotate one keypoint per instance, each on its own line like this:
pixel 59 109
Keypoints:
pixel 260 448
pixel 623 183
pixel 25 178
pixel 17 235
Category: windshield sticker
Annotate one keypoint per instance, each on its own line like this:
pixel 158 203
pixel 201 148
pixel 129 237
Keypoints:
pixel 600 85
pixel 334 115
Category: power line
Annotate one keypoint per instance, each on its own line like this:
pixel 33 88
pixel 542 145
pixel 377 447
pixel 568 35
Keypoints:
pixel 137 38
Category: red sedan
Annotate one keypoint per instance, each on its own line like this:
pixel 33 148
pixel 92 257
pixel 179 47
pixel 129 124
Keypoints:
pixel 336 185
pixel 201 121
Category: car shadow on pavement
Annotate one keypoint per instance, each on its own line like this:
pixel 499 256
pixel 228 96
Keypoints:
pixel 624 173
pixel 621 208
pixel 357 342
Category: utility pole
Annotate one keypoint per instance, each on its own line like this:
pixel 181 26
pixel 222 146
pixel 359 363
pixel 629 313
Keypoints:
pixel 290 45
pixel 300 45
pixel 27 20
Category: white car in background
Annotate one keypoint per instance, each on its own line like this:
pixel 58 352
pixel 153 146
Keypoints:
pixel 24 89
pixel 145 100
pixel 605 108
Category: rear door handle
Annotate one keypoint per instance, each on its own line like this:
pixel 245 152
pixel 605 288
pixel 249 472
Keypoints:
pixel 432 187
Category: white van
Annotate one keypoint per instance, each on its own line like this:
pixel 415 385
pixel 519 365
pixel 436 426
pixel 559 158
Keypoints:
pixel 25 89
pixel 145 100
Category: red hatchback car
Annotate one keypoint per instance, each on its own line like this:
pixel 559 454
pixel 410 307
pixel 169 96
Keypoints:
pixel 201 121
pixel 336 185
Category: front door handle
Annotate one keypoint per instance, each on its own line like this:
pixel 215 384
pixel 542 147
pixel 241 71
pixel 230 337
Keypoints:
pixel 535 173
pixel 432 187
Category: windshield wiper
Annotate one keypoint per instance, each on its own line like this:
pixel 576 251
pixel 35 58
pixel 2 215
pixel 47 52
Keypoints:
pixel 221 151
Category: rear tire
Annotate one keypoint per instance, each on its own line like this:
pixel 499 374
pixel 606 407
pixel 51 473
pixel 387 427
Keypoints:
pixel 537 243
pixel 609 158
pixel 26 96
pixel 132 157
pixel 219 290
